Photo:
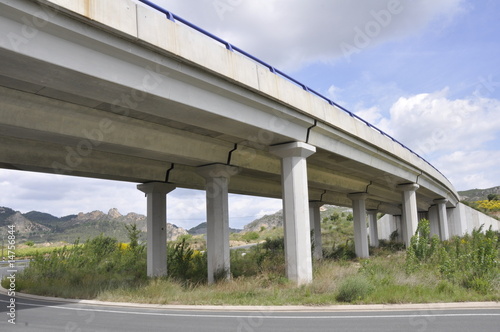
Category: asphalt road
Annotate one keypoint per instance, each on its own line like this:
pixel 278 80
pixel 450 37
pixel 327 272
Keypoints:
pixel 42 315
pixel 35 315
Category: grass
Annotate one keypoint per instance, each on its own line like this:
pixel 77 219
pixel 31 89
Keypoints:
pixel 28 252
pixel 377 280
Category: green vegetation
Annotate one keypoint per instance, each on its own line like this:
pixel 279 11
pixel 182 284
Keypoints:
pixel 488 207
pixel 354 288
pixel 31 251
pixel 250 236
pixel 462 269
pixel 84 270
pixel 493 197
pixel 471 261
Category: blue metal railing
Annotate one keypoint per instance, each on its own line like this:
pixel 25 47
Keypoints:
pixel 171 16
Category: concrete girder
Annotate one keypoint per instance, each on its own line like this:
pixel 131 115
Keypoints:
pixel 326 179
pixel 373 159
pixel 70 124
pixel 54 158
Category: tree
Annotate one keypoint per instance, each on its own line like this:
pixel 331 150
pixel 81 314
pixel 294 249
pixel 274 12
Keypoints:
pixel 133 235
pixel 493 197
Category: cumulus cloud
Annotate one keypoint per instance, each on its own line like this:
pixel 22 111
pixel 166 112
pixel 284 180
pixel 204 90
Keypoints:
pixel 453 134
pixel 290 33
pixel 430 122
pixel 372 114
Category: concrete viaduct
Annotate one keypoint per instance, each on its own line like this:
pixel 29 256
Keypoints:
pixel 118 90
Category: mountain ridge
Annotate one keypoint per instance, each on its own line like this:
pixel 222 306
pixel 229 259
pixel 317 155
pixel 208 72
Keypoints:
pixel 473 195
pixel 44 227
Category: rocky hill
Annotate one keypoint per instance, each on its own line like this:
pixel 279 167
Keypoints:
pixel 23 225
pixel 43 227
pixel 202 229
pixel 266 222
pixel 473 195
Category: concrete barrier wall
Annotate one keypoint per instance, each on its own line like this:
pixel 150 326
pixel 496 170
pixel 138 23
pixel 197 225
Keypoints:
pixel 461 220
pixel 474 219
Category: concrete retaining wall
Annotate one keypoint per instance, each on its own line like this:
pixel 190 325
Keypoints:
pixel 461 220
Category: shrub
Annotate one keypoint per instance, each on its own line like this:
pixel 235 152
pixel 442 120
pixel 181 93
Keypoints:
pixel 133 235
pixel 342 252
pixel 471 261
pixel 84 270
pixel 394 235
pixel 250 236
pixel 422 246
pixel 354 289
pixel 185 264
pixel 267 258
pixel 185 237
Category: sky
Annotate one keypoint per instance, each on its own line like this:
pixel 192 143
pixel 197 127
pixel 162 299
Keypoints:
pixel 426 72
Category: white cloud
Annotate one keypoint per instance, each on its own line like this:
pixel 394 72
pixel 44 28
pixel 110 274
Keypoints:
pixel 372 114
pixel 471 169
pixel 453 134
pixel 430 122
pixel 290 33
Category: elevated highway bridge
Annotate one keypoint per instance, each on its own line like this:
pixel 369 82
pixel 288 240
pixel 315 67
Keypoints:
pixel 128 91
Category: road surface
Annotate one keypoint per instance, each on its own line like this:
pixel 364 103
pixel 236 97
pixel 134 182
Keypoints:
pixel 38 315
pixel 45 315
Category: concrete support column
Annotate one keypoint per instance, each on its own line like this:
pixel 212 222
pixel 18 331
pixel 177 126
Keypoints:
pixel 360 233
pixel 458 220
pixel 443 219
pixel 372 220
pixel 296 209
pixel 434 220
pixel 156 193
pixel 410 212
pixel 398 225
pixel 315 219
pixel 404 229
pixel 216 185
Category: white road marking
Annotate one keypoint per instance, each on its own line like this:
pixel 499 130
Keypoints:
pixel 263 315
